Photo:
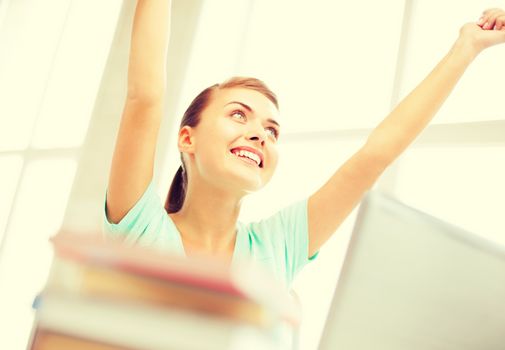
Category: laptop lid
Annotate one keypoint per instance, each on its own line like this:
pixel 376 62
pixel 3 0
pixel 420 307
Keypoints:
pixel 411 281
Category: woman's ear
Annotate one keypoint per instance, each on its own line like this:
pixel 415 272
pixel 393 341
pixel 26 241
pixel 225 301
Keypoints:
pixel 186 140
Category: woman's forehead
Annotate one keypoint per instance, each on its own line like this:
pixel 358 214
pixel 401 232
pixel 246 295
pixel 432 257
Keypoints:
pixel 256 101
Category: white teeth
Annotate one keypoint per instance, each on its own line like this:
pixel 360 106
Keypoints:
pixel 250 155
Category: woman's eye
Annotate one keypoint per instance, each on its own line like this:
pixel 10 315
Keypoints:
pixel 273 132
pixel 239 114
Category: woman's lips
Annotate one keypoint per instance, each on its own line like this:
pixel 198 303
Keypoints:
pixel 246 160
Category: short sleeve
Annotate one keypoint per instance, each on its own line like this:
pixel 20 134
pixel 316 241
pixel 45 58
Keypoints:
pixel 287 233
pixel 143 221
pixel 294 220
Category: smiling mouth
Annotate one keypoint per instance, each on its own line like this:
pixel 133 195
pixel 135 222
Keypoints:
pixel 248 160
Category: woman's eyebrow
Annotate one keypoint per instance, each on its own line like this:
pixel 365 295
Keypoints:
pixel 251 111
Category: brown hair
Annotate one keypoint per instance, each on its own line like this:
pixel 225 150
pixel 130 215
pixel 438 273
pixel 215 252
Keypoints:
pixel 177 192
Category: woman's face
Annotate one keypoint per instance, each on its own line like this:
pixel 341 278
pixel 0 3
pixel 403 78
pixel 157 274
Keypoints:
pixel 238 124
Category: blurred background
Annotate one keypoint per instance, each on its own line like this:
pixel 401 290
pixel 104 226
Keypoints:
pixel 338 68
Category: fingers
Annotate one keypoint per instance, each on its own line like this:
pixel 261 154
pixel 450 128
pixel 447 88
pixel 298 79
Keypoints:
pixel 500 22
pixel 486 20
pixel 497 20
pixel 493 18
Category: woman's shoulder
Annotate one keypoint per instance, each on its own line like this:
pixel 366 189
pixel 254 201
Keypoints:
pixel 288 219
pixel 146 223
pixel 293 213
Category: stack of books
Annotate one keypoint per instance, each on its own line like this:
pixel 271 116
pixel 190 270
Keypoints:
pixel 105 295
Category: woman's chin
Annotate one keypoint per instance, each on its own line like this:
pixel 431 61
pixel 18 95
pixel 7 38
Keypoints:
pixel 251 186
pixel 242 178
pixel 246 182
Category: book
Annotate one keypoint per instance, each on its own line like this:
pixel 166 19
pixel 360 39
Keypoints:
pixel 111 284
pixel 107 295
pixel 244 280
pixel 48 340
pixel 135 326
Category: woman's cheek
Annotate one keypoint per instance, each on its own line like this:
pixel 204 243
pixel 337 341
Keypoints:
pixel 273 156
pixel 231 127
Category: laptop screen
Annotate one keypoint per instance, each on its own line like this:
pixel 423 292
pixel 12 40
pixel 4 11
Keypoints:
pixel 411 281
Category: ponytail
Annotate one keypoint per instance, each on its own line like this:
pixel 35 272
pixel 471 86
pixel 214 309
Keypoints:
pixel 177 192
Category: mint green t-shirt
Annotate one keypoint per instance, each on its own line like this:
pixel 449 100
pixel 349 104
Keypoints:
pixel 280 242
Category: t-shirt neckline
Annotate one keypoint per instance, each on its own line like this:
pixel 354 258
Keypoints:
pixel 237 249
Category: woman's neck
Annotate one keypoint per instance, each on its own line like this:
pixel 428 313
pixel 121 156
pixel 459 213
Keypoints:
pixel 207 220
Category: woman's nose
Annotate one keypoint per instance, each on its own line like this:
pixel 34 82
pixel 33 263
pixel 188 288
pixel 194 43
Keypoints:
pixel 257 135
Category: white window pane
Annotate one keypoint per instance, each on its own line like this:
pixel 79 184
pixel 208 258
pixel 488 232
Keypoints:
pixel 332 63
pixel 27 254
pixel 78 68
pixel 28 39
pixel 460 185
pixel 432 31
pixel 9 176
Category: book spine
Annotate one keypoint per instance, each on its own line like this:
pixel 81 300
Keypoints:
pixel 141 326
pixel 48 340
pixel 106 283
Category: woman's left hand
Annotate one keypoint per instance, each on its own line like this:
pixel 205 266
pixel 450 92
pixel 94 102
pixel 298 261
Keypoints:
pixel 488 31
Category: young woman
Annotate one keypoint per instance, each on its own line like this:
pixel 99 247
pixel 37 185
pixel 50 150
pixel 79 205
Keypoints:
pixel 227 141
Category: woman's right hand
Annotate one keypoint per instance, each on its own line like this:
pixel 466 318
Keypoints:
pixel 488 31
pixel 492 19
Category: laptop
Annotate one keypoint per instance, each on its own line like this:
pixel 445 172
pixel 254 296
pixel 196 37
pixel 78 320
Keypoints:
pixel 412 281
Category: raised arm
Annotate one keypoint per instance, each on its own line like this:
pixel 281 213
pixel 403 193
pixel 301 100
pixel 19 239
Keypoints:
pixel 133 158
pixel 333 202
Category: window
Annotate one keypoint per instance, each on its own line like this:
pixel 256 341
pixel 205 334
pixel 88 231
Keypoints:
pixel 51 65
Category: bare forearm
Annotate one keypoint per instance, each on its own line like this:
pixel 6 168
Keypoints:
pixel 148 48
pixel 415 111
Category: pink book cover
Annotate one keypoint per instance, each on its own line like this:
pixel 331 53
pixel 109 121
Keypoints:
pixel 240 280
